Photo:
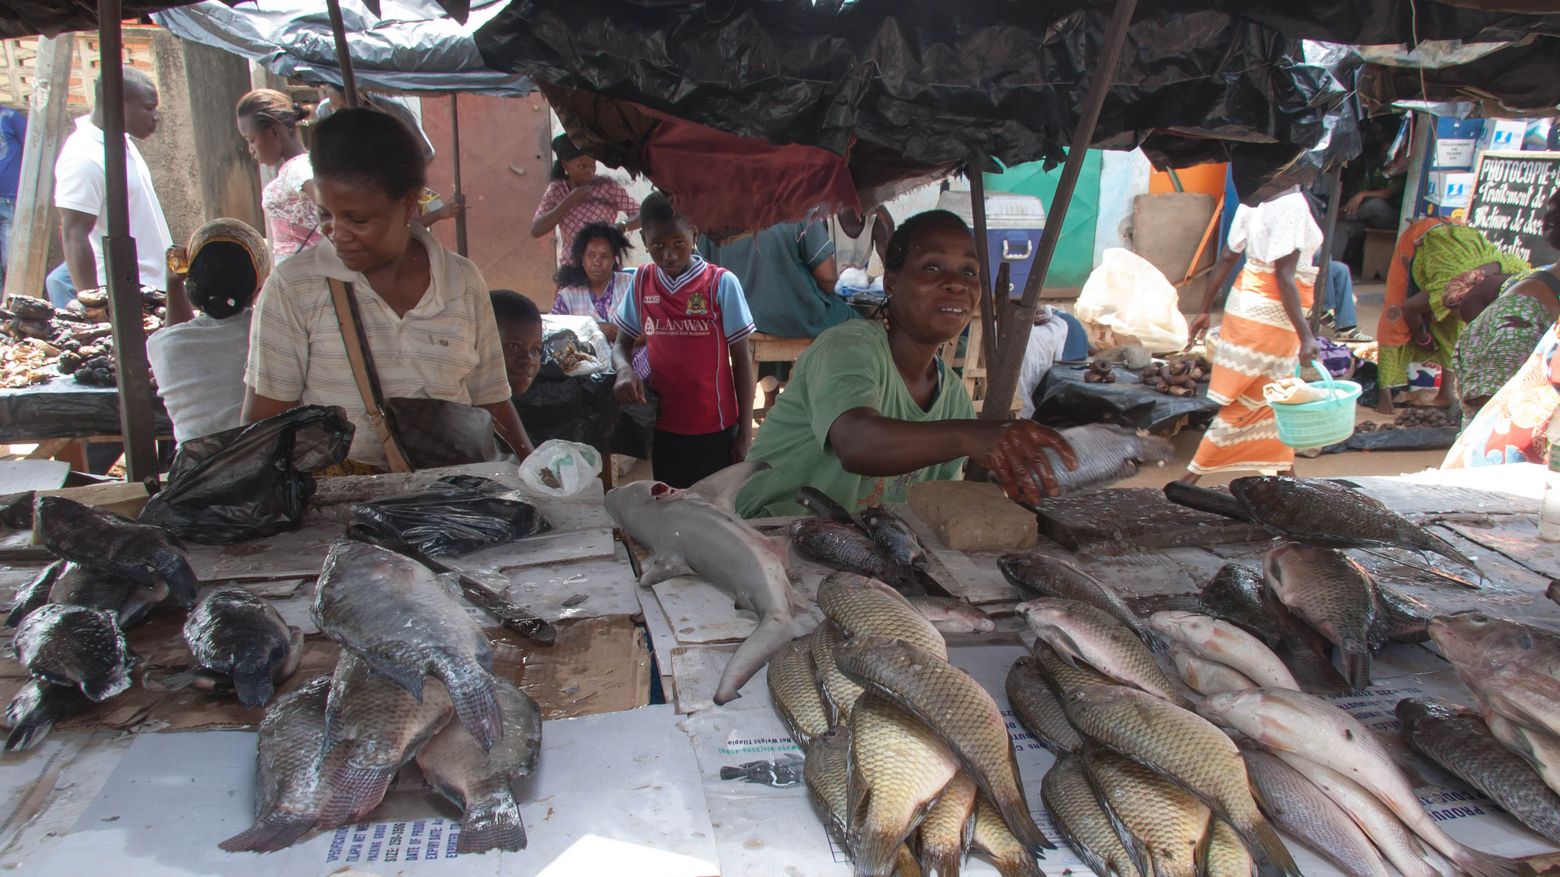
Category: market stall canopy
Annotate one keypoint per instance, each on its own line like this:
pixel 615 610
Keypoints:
pixel 898 92
pixel 405 45
pixel 25 18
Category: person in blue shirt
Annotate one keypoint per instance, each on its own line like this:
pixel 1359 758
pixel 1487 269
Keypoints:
pixel 13 133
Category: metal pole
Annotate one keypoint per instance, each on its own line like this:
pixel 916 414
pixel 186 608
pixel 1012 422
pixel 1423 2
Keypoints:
pixel 460 218
pixel 1002 375
pixel 121 268
pixel 988 308
pixel 1329 227
pixel 338 30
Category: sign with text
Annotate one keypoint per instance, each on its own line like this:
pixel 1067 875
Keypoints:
pixel 1510 190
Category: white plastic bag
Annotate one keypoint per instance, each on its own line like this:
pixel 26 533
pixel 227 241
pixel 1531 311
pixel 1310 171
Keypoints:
pixel 559 468
pixel 589 333
pixel 1126 300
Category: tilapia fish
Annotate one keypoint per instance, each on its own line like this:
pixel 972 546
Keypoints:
pixel 116 544
pixel 1045 575
pixel 1187 748
pixel 698 531
pixel 1458 740
pixel 842 546
pixel 379 727
pixel 1305 813
pixel 793 687
pixel 1332 593
pixel 893 535
pixel 1240 595
pixel 1539 749
pixel 1083 821
pixel 1513 668
pixel 294 771
pixel 1082 633
pixel 235 634
pixel 863 606
pixel 33 594
pixel 1165 826
pixel 1215 640
pixel 840 692
pixel 827 774
pixel 897 769
pixel 1315 510
pixel 994 839
pixel 1038 708
pixel 953 615
pixel 1292 723
pixel 36 708
pixel 1400 618
pixel 75 646
pixel 1106 454
pixel 393 612
pixel 946 830
pixel 957 710
pixel 479 782
pixel 824 507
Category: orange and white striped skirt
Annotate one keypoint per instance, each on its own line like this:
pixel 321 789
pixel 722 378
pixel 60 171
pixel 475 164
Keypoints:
pixel 1257 345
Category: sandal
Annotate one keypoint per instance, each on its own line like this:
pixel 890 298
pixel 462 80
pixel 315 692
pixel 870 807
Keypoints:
pixel 1352 335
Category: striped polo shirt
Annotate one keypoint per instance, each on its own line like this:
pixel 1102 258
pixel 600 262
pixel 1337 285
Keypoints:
pixel 446 347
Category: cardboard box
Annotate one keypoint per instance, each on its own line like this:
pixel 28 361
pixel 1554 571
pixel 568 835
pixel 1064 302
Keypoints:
pixel 1449 188
pixel 1503 135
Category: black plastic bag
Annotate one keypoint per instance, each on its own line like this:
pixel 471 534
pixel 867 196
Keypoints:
pixel 455 515
pixel 1064 399
pixel 251 481
pixel 580 409
pixel 1422 438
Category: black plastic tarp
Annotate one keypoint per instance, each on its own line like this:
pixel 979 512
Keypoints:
pixel 1063 398
pixel 66 408
pixel 408 45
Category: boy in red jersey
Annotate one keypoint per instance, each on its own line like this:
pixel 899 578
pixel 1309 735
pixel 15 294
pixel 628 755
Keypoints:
pixel 695 323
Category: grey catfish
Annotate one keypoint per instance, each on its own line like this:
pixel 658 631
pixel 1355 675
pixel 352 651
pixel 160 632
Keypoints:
pixel 234 633
pixel 293 771
pixel 479 782
pixel 1106 454
pixel 114 543
pixel 77 646
pixel 698 531
pixel 36 708
pixel 34 594
pixel 404 621
pixel 1315 510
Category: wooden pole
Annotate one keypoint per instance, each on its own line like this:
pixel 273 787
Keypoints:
pixel 1002 374
pixel 1329 228
pixel 460 218
pixel 988 305
pixel 27 249
pixel 338 30
pixel 121 268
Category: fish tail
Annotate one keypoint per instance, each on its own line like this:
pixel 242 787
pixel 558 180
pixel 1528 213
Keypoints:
pixel 1268 850
pixel 938 860
pixel 1016 864
pixel 877 849
pixel 1312 670
pixel 493 824
pixel 1484 864
pixel 476 703
pixel 254 685
pixel 1016 814
pixel 1356 666
pixel 272 832
pixel 29 731
pixel 354 792
pixel 905 865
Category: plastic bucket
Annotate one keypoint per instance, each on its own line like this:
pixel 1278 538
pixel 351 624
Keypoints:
pixel 1320 423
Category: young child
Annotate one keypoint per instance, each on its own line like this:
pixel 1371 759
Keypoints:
pixel 695 322
pixel 520 333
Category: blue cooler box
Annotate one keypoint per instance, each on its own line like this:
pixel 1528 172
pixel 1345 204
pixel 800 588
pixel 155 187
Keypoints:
pixel 1013 227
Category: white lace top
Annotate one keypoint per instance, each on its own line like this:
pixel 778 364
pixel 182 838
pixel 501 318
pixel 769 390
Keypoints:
pixel 1274 229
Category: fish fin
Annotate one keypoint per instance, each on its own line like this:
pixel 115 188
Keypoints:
pixel 472 691
pixel 1480 864
pixel 272 832
pixel 494 824
pixel 660 567
pixel 1268 851
pixel 1139 854
pixel 1204 843
pixel 720 489
pixel 294 653
pixel 1315 673
pixel 936 861
pixel 1066 648
pixel 28 732
pixel 198 678
pixel 406 669
pixel 254 685
pixel 1356 667
pixel 355 792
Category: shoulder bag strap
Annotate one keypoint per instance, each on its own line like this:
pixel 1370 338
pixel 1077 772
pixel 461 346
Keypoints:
pixel 356 343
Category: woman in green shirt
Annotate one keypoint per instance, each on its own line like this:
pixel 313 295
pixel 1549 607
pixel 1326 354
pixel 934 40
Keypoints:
pixel 871 408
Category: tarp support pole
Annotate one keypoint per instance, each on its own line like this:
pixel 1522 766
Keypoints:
pixel 121 268
pixel 1334 180
pixel 460 218
pixel 27 252
pixel 988 312
pixel 338 30
pixel 1002 373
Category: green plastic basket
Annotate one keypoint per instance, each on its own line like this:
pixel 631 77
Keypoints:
pixel 1321 423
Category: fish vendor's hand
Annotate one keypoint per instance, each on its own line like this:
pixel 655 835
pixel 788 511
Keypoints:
pixel 1197 328
pixel 628 388
pixel 1019 463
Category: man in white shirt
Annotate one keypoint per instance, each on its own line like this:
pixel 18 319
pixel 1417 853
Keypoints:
pixel 80 187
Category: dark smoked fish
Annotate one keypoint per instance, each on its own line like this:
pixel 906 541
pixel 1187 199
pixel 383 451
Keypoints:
pixel 894 536
pixel 294 769
pixel 116 544
pixel 34 594
pixel 238 635
pixel 76 646
pixel 36 708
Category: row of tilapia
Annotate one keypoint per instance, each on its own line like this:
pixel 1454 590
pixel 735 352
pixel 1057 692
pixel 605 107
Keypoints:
pixel 414 682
